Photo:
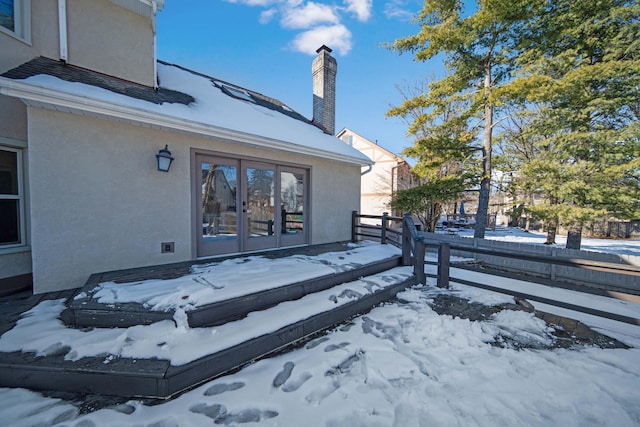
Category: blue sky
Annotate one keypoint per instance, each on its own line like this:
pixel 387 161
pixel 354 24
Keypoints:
pixel 268 46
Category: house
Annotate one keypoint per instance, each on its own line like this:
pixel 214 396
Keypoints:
pixel 88 113
pixel 381 181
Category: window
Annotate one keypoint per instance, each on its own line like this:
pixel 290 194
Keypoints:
pixel 15 18
pixel 11 204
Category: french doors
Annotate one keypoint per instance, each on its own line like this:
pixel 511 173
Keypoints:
pixel 244 206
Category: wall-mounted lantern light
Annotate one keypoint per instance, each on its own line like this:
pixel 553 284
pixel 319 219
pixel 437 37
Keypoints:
pixel 164 159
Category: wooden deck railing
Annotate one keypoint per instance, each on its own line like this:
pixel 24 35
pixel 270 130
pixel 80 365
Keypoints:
pixel 414 245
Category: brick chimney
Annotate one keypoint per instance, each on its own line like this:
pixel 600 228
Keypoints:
pixel 324 70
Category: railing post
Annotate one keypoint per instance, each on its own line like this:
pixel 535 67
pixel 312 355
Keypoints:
pixel 353 226
pixel 383 230
pixel 418 266
pixel 406 240
pixel 444 256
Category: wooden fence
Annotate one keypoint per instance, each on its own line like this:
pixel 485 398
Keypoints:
pixel 415 244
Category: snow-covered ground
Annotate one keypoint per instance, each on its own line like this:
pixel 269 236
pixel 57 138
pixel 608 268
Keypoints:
pixel 401 365
pixel 509 234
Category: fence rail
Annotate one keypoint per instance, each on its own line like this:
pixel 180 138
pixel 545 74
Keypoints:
pixel 414 245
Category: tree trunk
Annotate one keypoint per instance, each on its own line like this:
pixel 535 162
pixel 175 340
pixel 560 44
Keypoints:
pixel 485 183
pixel 552 229
pixel 528 223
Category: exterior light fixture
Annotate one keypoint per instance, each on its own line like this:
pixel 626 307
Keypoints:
pixel 164 159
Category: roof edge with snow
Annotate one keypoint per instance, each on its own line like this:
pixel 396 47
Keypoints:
pixel 73 103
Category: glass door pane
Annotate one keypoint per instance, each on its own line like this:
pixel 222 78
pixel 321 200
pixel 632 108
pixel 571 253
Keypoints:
pixel 292 206
pixel 219 226
pixel 259 207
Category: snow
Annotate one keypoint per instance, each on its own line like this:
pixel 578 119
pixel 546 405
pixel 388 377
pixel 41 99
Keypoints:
pixel 212 107
pixel 220 281
pixel 401 364
pixel 510 234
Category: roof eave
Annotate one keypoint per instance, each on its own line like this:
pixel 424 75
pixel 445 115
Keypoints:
pixel 141 7
pixel 45 97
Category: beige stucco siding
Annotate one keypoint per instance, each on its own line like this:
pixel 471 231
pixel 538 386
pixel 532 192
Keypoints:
pixel 97 201
pixel 44 39
pixel 125 38
pixel 335 195
pixel 111 209
pixel 13 115
pixel 15 263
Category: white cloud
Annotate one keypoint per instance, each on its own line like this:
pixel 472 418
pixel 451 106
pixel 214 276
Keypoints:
pixel 263 3
pixel 308 16
pixel 361 8
pixel 399 9
pixel 337 37
pixel 267 15
pixel 319 22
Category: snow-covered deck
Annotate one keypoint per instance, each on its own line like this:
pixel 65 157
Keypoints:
pixel 148 337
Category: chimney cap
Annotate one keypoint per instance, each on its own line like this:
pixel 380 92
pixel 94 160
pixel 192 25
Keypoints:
pixel 324 47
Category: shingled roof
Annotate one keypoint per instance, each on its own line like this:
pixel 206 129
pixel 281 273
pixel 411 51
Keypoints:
pixel 71 73
pixel 255 97
pixel 186 101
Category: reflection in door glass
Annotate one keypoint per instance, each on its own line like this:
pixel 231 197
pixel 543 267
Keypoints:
pixel 292 199
pixel 260 202
pixel 219 219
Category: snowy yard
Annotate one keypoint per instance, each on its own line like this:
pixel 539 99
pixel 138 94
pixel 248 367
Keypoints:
pixel 403 365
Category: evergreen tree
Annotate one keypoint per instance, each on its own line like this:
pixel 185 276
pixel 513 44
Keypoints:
pixel 581 62
pixel 479 52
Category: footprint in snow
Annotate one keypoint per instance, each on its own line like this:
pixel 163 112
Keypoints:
pixel 283 375
pixel 345 328
pixel 316 343
pixel 223 388
pixel 347 293
pixel 211 411
pixel 345 365
pixel 294 384
pixel 219 414
pixel 319 394
pixel 246 416
pixel 163 423
pixel 334 347
pixel 124 408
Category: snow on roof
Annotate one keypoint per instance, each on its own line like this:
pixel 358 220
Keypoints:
pixel 215 110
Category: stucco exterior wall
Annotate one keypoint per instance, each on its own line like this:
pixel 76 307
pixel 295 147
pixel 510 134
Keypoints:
pixel 15 263
pixel 111 209
pixel 14 51
pixel 98 202
pixel 14 119
pixel 101 36
pixel 110 39
pixel 43 40
pixel 335 195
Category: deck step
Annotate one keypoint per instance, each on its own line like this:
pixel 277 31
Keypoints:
pixel 85 311
pixel 240 342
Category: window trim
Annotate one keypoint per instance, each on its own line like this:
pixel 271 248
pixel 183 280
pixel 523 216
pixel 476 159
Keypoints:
pixel 19 197
pixel 22 22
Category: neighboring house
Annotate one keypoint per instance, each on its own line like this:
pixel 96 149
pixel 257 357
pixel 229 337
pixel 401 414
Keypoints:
pixel 381 181
pixel 86 108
